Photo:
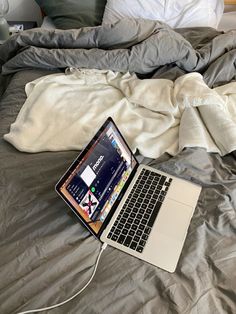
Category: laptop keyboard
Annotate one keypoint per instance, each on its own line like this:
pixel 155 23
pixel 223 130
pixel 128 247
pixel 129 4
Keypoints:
pixel 134 223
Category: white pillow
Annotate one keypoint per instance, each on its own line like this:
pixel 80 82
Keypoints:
pixel 176 13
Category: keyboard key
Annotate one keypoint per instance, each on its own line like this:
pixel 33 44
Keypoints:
pixel 142 243
pixel 144 221
pixel 139 216
pixel 128 210
pixel 133 245
pixel 127 241
pixel 125 231
pixel 121 239
pixel 147 230
pixel 117 231
pixel 130 220
pixel 144 236
pixel 139 232
pixel 120 226
pixel 131 232
pixel 134 227
pixel 141 227
pixel 139 249
pixel 154 214
pixel 114 237
pixel 162 180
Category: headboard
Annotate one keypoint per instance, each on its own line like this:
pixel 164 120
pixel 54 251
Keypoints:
pixel 230 1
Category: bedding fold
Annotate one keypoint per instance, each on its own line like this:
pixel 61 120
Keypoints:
pixel 63 111
pixel 137 46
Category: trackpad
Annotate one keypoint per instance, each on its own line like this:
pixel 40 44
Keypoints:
pixel 173 219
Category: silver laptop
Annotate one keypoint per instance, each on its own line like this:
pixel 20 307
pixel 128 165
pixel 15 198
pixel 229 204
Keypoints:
pixel 134 208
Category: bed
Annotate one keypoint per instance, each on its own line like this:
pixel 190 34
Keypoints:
pixel 46 254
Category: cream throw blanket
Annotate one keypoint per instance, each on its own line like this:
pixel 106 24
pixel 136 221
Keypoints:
pixel 63 112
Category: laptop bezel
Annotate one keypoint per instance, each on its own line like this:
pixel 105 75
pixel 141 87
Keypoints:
pixel 75 163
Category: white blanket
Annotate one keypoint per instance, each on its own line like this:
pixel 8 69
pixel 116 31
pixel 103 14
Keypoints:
pixel 63 112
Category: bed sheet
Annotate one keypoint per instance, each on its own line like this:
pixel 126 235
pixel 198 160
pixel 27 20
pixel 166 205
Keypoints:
pixel 47 255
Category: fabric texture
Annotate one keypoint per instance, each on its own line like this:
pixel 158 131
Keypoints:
pixel 147 48
pixel 176 13
pixel 160 115
pixel 47 255
pixel 67 14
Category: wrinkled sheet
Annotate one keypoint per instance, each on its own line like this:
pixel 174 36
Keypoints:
pixel 46 255
pixel 148 48
pixel 160 115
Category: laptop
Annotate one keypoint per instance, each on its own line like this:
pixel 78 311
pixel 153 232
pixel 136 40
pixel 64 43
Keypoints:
pixel 132 207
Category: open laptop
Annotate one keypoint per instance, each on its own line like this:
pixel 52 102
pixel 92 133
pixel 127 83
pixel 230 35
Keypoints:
pixel 133 207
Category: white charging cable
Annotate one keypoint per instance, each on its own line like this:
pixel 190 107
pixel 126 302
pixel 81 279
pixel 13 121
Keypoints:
pixel 73 296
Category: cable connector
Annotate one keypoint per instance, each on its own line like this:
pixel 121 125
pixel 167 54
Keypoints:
pixel 104 246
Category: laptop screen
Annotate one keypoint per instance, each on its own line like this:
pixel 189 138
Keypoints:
pixel 99 177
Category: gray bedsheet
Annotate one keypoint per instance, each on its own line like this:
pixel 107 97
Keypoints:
pixel 142 46
pixel 46 255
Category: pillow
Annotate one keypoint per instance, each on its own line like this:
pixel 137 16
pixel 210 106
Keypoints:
pixel 176 13
pixel 67 14
pixel 227 22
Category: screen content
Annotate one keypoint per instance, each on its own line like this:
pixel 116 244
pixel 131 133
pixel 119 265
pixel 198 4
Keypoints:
pixel 97 181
